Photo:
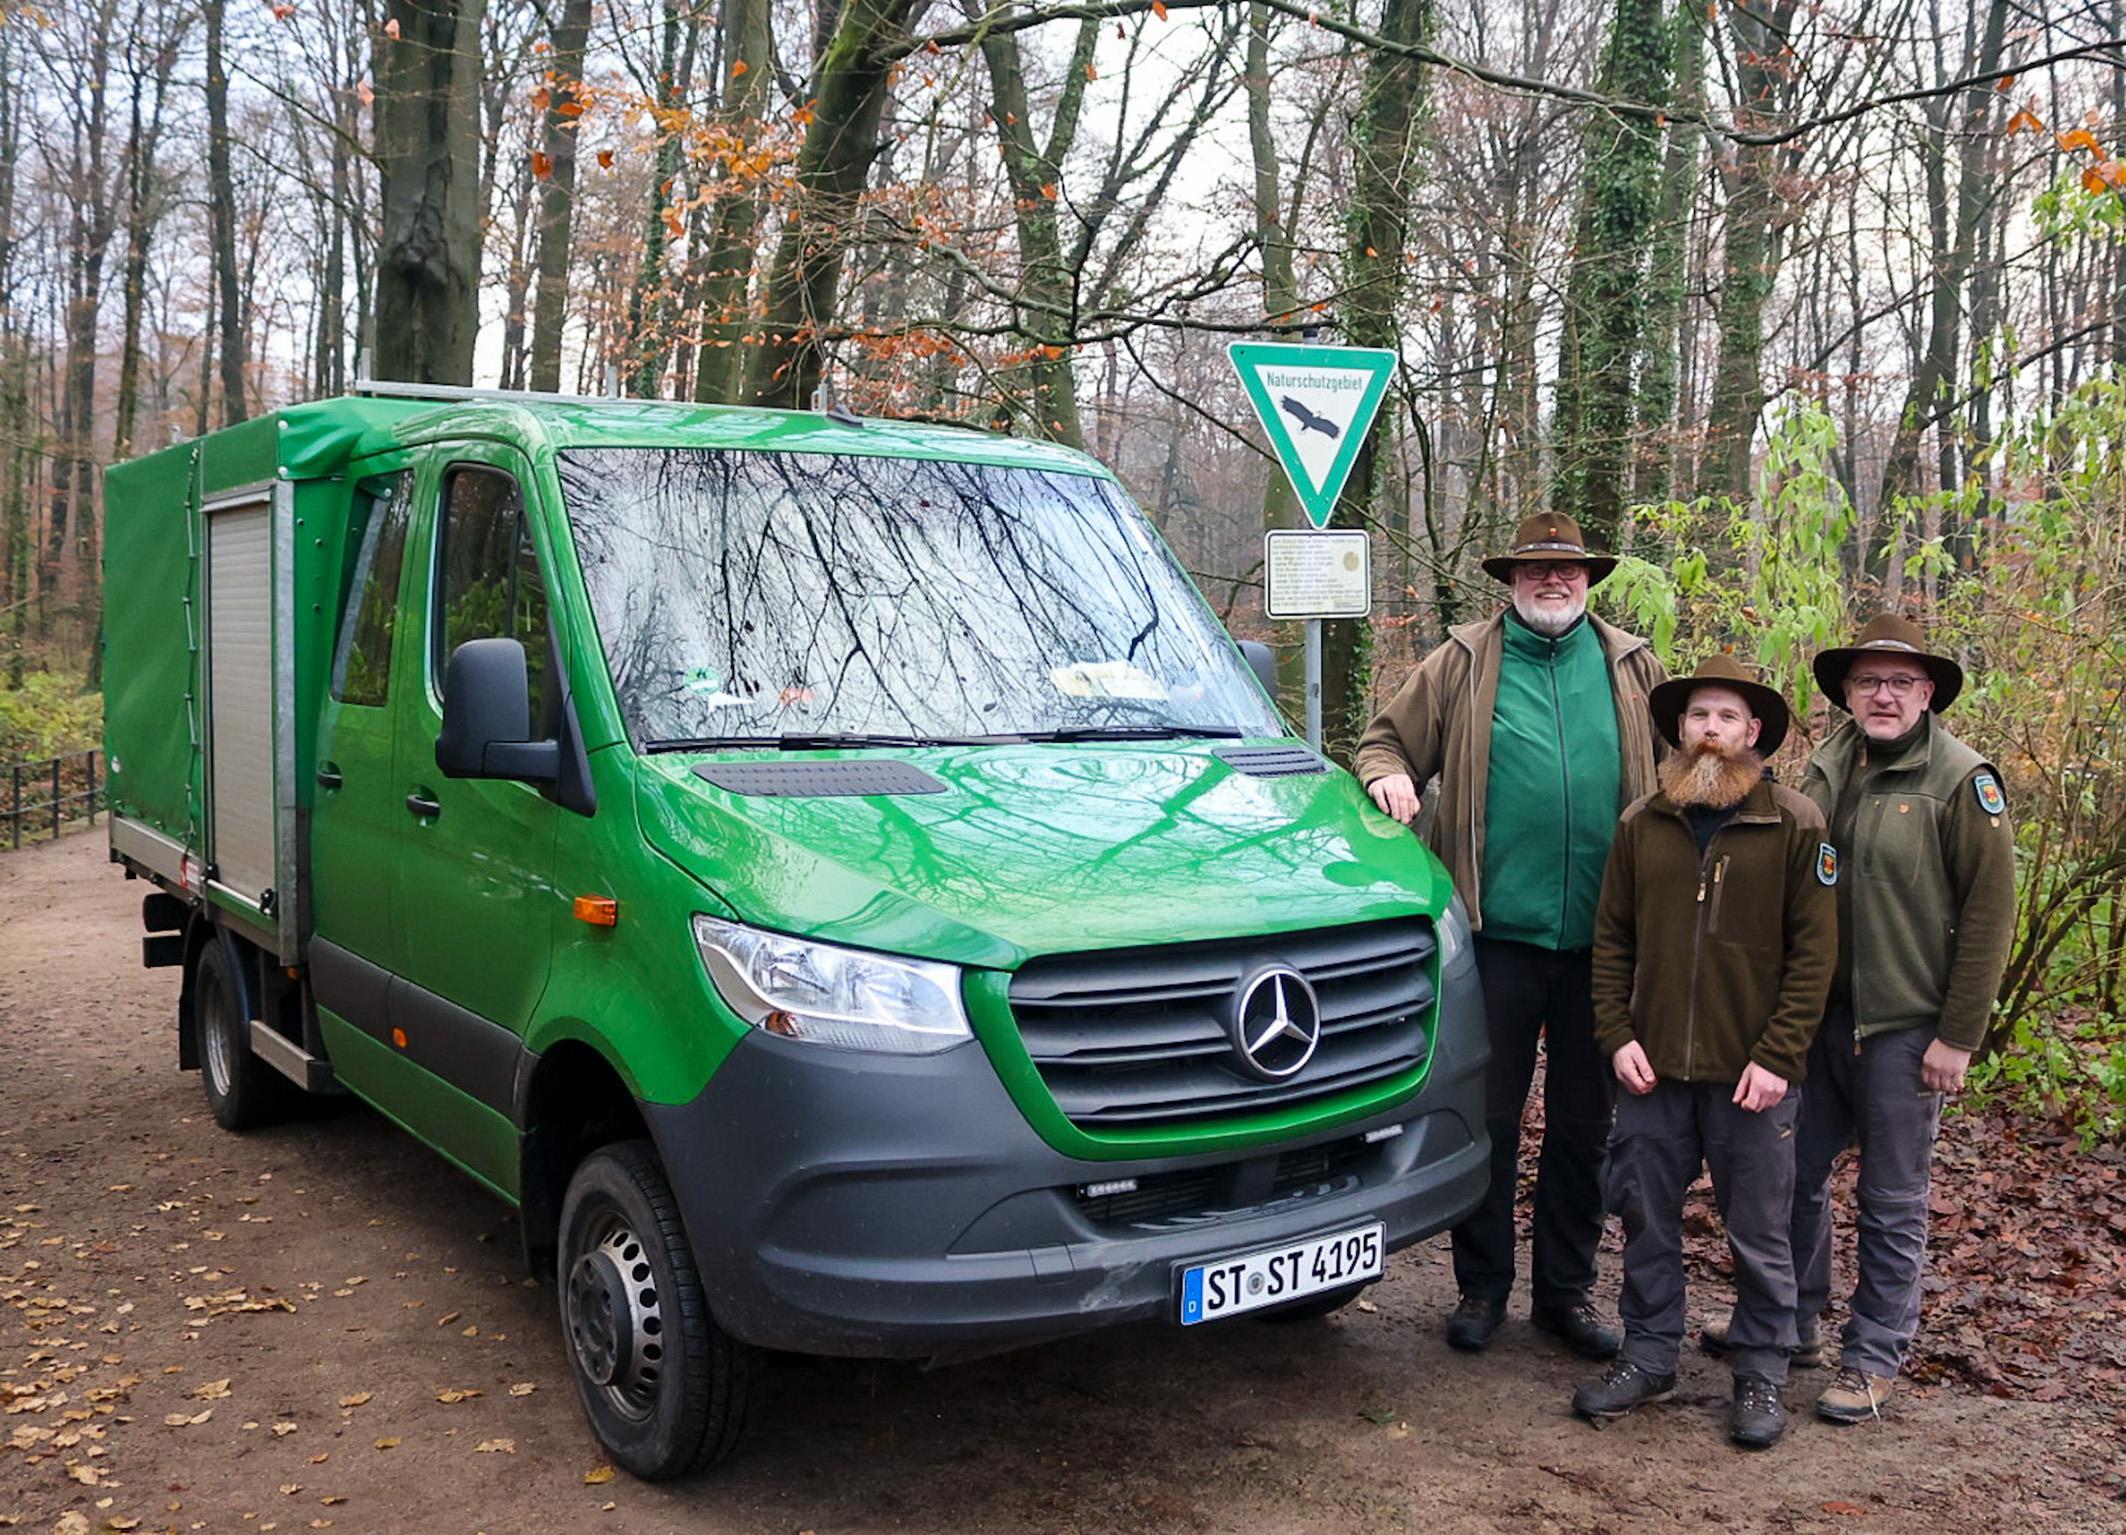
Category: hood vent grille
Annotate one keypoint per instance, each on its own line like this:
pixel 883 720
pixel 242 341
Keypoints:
pixel 1271 761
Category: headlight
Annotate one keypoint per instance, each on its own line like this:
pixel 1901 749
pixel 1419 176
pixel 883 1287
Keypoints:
pixel 833 996
pixel 1455 950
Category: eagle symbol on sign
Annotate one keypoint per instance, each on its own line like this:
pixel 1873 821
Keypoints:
pixel 1308 421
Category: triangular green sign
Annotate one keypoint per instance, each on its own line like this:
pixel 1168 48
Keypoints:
pixel 1316 404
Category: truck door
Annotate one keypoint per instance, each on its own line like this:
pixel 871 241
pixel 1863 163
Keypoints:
pixel 474 899
pixel 356 818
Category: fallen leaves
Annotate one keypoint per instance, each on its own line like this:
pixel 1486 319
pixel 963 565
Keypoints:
pixel 597 1476
pixel 495 1447
pixel 212 1391
pixel 184 1420
pixel 450 1396
pixel 524 1388
pixel 358 1399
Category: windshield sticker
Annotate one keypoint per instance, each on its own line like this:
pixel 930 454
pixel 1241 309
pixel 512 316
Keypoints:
pixel 703 680
pixel 1106 679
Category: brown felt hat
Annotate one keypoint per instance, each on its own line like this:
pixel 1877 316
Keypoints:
pixel 1547 537
pixel 1890 634
pixel 1668 701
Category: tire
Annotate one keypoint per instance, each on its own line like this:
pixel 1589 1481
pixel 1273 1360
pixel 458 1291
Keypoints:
pixel 665 1388
pixel 242 1090
pixel 1314 1307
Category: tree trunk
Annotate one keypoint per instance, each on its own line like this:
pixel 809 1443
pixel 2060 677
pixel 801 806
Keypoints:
pixel 1667 266
pixel 221 221
pixel 1750 256
pixel 727 284
pixel 558 203
pixel 649 301
pixel 144 208
pixel 428 160
pixel 1605 297
pixel 1047 282
pixel 1383 149
pixel 833 163
pixel 1955 236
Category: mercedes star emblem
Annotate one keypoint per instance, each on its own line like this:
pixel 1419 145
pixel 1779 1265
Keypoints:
pixel 1276 1023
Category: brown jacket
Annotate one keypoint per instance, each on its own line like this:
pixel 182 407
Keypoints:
pixel 1713 962
pixel 1440 722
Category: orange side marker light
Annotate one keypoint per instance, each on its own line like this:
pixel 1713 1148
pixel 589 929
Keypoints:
pixel 597 910
pixel 398 1037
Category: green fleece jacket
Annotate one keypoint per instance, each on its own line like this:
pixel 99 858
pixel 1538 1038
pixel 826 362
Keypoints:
pixel 1551 805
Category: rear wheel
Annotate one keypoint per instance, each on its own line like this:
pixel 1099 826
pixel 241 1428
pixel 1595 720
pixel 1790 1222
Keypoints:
pixel 665 1388
pixel 242 1090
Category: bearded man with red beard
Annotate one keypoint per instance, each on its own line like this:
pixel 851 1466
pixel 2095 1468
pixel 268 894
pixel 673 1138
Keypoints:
pixel 1714 944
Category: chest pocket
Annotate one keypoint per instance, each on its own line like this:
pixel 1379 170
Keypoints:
pixel 1896 833
pixel 1742 910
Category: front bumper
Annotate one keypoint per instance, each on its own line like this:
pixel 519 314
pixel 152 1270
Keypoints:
pixel 901 1207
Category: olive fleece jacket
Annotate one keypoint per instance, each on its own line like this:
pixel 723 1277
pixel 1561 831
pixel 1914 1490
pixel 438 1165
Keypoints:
pixel 1929 853
pixel 1711 961
pixel 1440 720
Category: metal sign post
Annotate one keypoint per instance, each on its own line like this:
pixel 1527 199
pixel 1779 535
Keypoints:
pixel 1316 404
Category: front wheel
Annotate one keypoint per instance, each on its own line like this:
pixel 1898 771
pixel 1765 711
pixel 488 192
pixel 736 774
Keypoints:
pixel 665 1388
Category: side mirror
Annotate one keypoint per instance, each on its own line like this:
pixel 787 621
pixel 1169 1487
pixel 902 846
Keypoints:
pixel 1264 660
pixel 487 717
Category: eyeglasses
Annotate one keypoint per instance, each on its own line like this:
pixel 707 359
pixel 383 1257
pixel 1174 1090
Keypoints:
pixel 1543 570
pixel 1899 686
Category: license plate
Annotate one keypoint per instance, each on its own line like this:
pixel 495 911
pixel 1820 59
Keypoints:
pixel 1279 1274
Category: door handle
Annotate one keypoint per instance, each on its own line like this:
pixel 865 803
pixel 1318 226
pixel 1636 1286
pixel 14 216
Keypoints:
pixel 424 804
pixel 328 775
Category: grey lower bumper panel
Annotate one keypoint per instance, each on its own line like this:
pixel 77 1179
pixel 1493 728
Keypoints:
pixel 903 1208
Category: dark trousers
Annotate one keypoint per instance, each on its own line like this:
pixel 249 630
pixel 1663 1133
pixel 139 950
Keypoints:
pixel 1661 1140
pixel 1531 992
pixel 1868 1091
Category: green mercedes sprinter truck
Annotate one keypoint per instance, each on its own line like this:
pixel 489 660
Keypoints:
pixel 835 879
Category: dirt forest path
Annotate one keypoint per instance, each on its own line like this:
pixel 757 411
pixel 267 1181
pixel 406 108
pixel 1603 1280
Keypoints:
pixel 322 1326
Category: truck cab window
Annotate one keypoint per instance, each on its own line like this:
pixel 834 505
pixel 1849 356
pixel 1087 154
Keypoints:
pixel 361 670
pixel 488 584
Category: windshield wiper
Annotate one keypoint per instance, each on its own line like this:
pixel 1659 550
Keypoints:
pixel 1135 733
pixel 816 742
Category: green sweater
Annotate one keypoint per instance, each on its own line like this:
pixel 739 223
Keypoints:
pixel 1551 801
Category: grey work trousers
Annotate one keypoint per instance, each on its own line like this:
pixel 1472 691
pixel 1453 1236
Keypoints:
pixel 1869 1090
pixel 1661 1139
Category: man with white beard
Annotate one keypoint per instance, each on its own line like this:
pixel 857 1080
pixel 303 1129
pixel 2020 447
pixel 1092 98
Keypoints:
pixel 1535 722
pixel 1714 946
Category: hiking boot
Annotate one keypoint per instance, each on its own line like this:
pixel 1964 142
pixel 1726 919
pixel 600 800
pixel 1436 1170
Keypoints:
pixel 1758 1417
pixel 1474 1324
pixel 1578 1328
pixel 1854 1397
pixel 1807 1355
pixel 1622 1387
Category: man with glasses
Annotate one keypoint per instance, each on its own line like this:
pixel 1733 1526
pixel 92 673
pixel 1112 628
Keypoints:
pixel 1535 721
pixel 1924 859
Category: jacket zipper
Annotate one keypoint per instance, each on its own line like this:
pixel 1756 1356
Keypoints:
pixel 1697 942
pixel 1557 715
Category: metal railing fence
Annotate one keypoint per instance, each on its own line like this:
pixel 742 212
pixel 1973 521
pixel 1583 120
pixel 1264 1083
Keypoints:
pixel 68 786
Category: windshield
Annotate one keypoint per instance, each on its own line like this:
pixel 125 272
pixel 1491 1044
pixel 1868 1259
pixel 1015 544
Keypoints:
pixel 746 596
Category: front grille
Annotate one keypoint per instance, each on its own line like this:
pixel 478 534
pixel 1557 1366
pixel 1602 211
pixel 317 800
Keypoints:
pixel 1136 1038
pixel 1194 1194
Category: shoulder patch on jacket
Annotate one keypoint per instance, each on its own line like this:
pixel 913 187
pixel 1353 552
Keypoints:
pixel 1988 790
pixel 1826 864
